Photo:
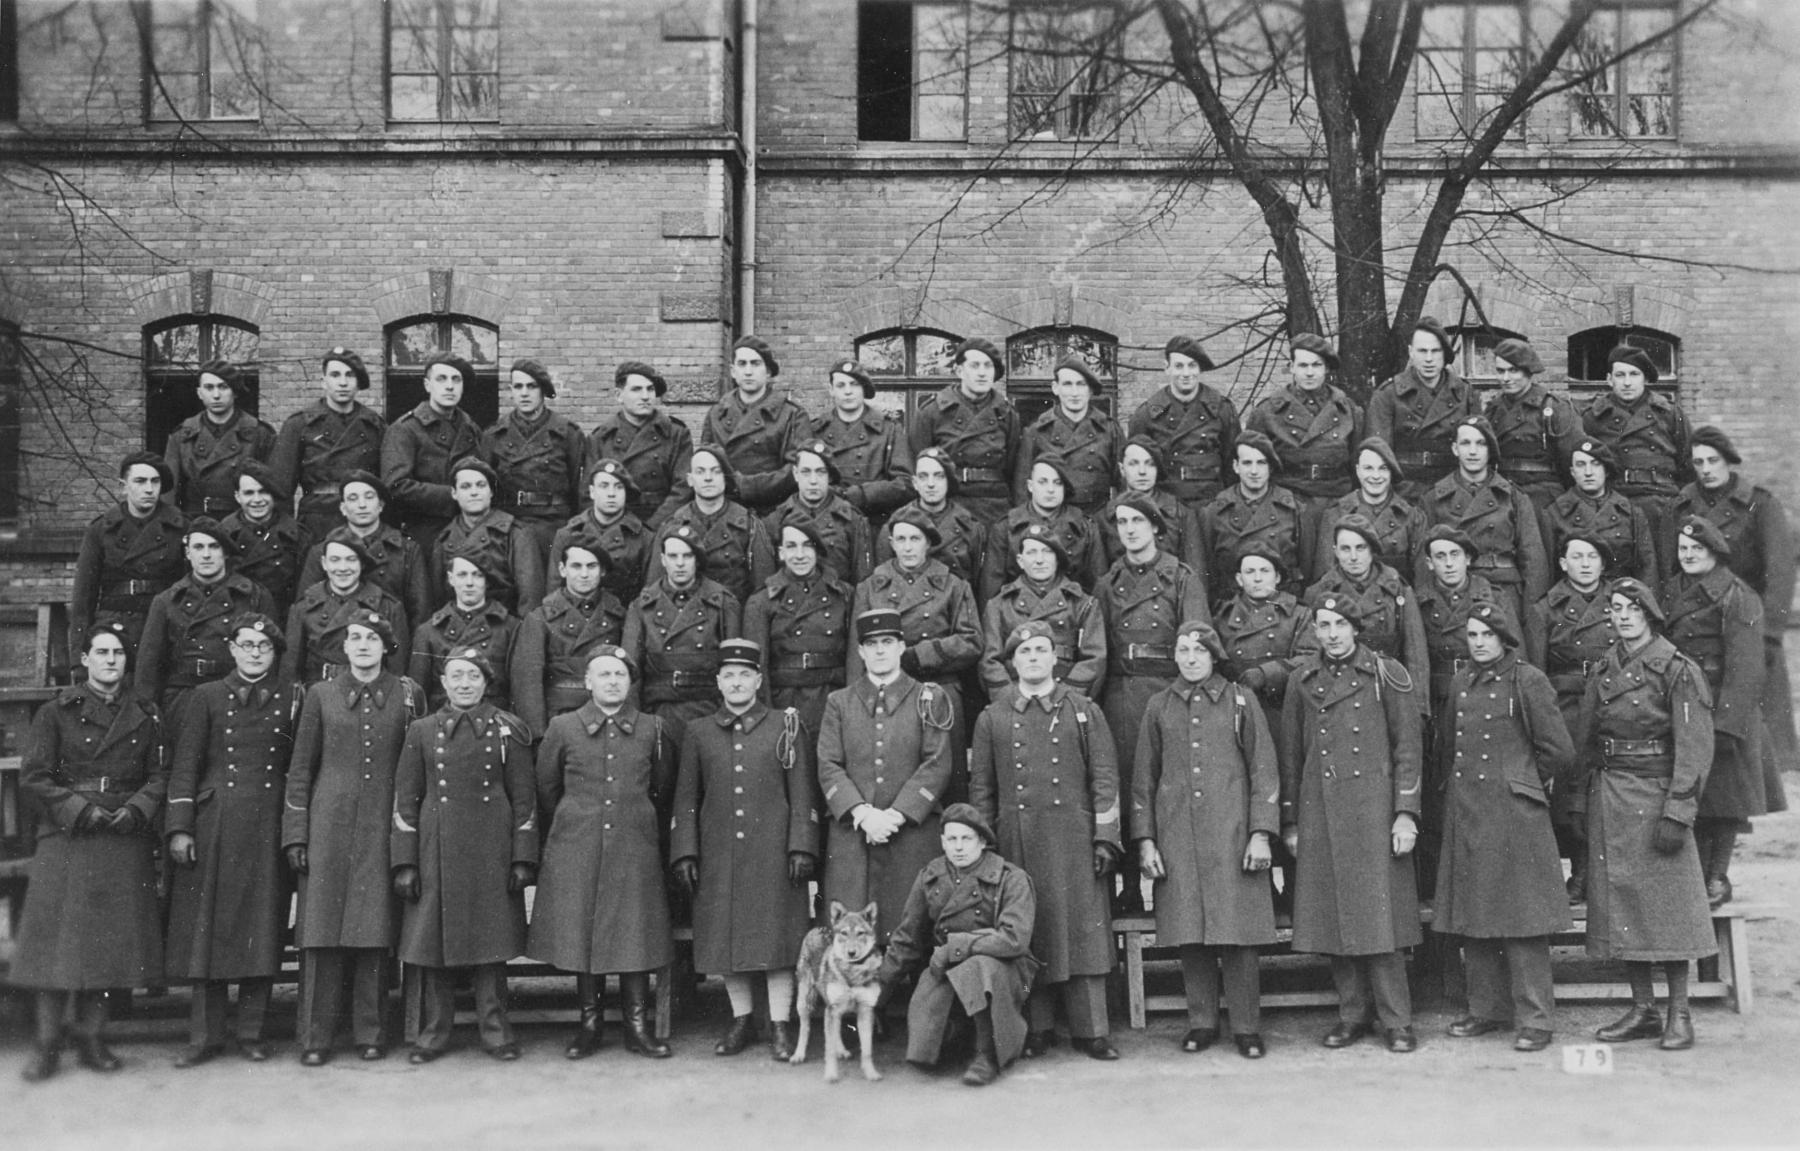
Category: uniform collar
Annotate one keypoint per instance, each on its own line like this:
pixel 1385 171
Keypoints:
pixel 479 717
pixel 866 692
pixel 593 719
pixel 1048 702
pixel 244 691
pixel 726 719
pixel 376 689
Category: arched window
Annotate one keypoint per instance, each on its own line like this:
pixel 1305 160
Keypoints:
pixel 12 402
pixel 411 342
pixel 1475 352
pixel 907 363
pixel 173 352
pixel 1032 356
pixel 1588 351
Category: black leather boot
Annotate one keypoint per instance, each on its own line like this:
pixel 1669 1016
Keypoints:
pixel 640 1036
pixel 781 1041
pixel 985 1067
pixel 45 1058
pixel 1641 1022
pixel 586 1039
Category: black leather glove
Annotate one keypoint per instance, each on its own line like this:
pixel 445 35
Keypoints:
pixel 1670 836
pixel 1254 679
pixel 523 876
pixel 406 883
pixel 296 859
pixel 1106 859
pixel 127 821
pixel 687 874
pixel 801 868
pixel 87 818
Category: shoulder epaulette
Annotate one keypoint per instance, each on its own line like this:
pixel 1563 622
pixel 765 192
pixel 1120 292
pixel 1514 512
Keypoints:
pixel 1395 673
pixel 935 709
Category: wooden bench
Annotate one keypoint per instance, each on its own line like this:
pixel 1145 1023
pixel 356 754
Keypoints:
pixel 1726 976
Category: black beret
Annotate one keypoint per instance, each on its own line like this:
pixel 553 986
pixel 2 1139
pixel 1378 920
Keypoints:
pixel 350 360
pixel 463 367
pixel 617 471
pixel 1600 451
pixel 913 517
pixel 1190 347
pixel 823 450
pixel 610 652
pixel 1497 617
pixel 477 558
pixel 262 624
pixel 1707 534
pixel 966 815
pixel 1481 425
pixel 213 530
pixel 855 371
pixel 1436 327
pixel 1385 450
pixel 1061 470
pixel 230 373
pixel 344 537
pixel 1316 344
pixel 359 476
pixel 688 538
pixel 112 627
pixel 1038 533
pixel 808 530
pixel 380 624
pixel 538 373
pixel 1520 355
pixel 1640 594
pixel 1258 442
pixel 1449 533
pixel 1714 437
pixel 148 460
pixel 1358 523
pixel 593 549
pixel 1073 364
pixel 761 347
pixel 1260 550
pixel 986 348
pixel 942 459
pixel 1026 632
pixel 640 368
pixel 469 655
pixel 1342 605
pixel 1143 505
pixel 1601 547
pixel 261 473
pixel 1206 634
pixel 476 464
pixel 1636 357
pixel 1150 448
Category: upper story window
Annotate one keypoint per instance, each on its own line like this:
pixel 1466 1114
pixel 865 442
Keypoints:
pixel 1066 66
pixel 1470 56
pixel 1475 353
pixel 11 404
pixel 1588 351
pixel 1032 356
pixel 443 60
pixel 202 60
pixel 173 352
pixel 9 61
pixel 907 364
pixel 912 71
pixel 1634 97
pixel 411 342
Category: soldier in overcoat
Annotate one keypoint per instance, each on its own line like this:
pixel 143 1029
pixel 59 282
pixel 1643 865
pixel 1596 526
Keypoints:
pixel 1144 597
pixel 1716 621
pixel 673 632
pixel 1535 428
pixel 744 842
pixel 540 455
pixel 1263 630
pixel 1047 508
pixel 966 931
pixel 186 634
pixel 1643 744
pixel 394 563
pixel 1762 553
pixel 938 619
pixel 335 824
pixel 1389 610
pixel 1253 511
pixel 1592 508
pixel 552 646
pixel 1083 442
pixel 270 543
pixel 1141 468
pixel 1053 800
pixel 605 779
pixel 884 762
pixel 1417 411
pixel 738 553
pixel 228 901
pixel 204 452
pixel 321 444
pixel 652 446
pixel 1499 883
pixel 1193 424
pixel 472 619
pixel 1044 593
pixel 129 553
pixel 977 428
pixel 1314 426
pixel 316 622
pixel 1498 517
pixel 1350 816
pixel 1205 811
pixel 868 445
pixel 609 529
pixel 1397 523
pixel 962 538
pixel 1647 431
pixel 95 765
pixel 1447 590
pixel 463 853
pixel 849 548
pixel 801 620
pixel 497 541
pixel 420 446
pixel 756 428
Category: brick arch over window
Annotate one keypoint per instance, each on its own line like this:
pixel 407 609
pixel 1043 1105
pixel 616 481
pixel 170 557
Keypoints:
pixel 203 292
pixel 438 292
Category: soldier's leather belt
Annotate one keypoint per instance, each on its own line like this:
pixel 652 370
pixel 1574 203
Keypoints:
pixel 1634 747
pixel 1193 472
pixel 331 670
pixel 201 668
pixel 108 783
pixel 1647 476
pixel 133 587
pixel 324 492
pixel 810 661
pixel 1582 668
pixel 1149 651
pixel 1496 568
pixel 980 475
pixel 1318 471
pixel 1528 468
pixel 1426 459
pixel 685 679
pixel 214 505
pixel 569 685
pixel 536 499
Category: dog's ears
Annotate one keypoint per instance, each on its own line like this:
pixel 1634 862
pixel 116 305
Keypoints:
pixel 837 912
pixel 869 911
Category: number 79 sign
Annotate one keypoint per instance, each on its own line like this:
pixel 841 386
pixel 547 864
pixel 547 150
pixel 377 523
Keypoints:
pixel 1587 1059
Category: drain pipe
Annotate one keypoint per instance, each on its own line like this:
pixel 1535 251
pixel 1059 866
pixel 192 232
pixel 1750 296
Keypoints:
pixel 747 112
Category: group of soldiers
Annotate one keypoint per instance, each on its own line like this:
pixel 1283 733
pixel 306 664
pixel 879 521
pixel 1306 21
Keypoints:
pixel 417 670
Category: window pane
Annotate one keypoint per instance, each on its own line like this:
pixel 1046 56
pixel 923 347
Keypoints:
pixel 234 97
pixel 475 50
pixel 1652 74
pixel 883 355
pixel 931 355
pixel 1497 26
pixel 1442 26
pixel 412 14
pixel 1643 23
pixel 1031 356
pixel 237 345
pixel 177 345
pixel 175 96
pixel 413 97
pixel 475 13
pixel 411 346
pixel 1649 116
pixel 474 342
pixel 412 50
pixel 940 118
pixel 475 97
pixel 1439 86
pixel 1591 101
pixel 1100 355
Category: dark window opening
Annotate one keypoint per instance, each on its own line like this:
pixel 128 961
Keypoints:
pixel 443 60
pixel 411 342
pixel 9 60
pixel 1588 351
pixel 173 353
pixel 911 71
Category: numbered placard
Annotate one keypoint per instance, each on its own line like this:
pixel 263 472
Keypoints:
pixel 1587 1059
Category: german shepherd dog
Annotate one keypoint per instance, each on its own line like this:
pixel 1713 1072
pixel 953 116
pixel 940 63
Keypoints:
pixel 838 967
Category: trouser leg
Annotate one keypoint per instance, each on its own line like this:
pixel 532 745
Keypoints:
pixel 52 1008
pixel 1243 988
pixel 89 1014
pixel 1200 984
pixel 1084 999
pixel 1641 976
pixel 742 995
pixel 1387 979
pixel 1352 984
pixel 1676 972
pixel 490 1004
pixel 781 996
pixel 253 1008
pixel 321 996
pixel 1533 990
pixel 1489 989
pixel 1040 1006
pixel 434 992
pixel 368 995
pixel 206 1013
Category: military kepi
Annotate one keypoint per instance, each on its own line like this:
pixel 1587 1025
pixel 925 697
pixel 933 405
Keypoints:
pixel 872 625
pixel 743 652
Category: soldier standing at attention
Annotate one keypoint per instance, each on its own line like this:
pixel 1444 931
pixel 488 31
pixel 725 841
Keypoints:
pixel 394 563
pixel 1417 411
pixel 962 538
pixel 1389 610
pixel 420 446
pixel 1399 527
pixel 1048 509
pixel 204 452
pixel 553 644
pixel 849 549
pixel 1044 593
pixel 1194 425
pixel 1254 510
pixel 321 444
pixel 673 631
pixel 1053 801
pixel 738 553
pixel 1082 441
pixel 1496 516
pixel 1313 426
pixel 94 765
pixel 187 635
pixel 462 861
pixel 1535 427
pixel 315 625
pixel 867 445
pixel 610 530
pixel 977 427
pixel 1592 508
pixel 339 808
pixel 1350 779
pixel 652 445
pixel 130 553
pixel 756 428
pixel 801 620
pixel 744 842
pixel 497 540
pixel 1141 471
pixel 229 901
pixel 1205 809
pixel 540 457
pixel 270 543
pixel 472 619
pixel 1648 433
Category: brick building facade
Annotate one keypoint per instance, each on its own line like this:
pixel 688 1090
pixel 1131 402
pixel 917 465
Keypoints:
pixel 574 180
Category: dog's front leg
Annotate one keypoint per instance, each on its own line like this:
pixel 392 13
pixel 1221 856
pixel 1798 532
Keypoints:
pixel 833 1040
pixel 805 1005
pixel 865 1025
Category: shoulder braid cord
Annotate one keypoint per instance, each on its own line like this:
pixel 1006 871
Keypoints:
pixel 943 718
pixel 787 746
